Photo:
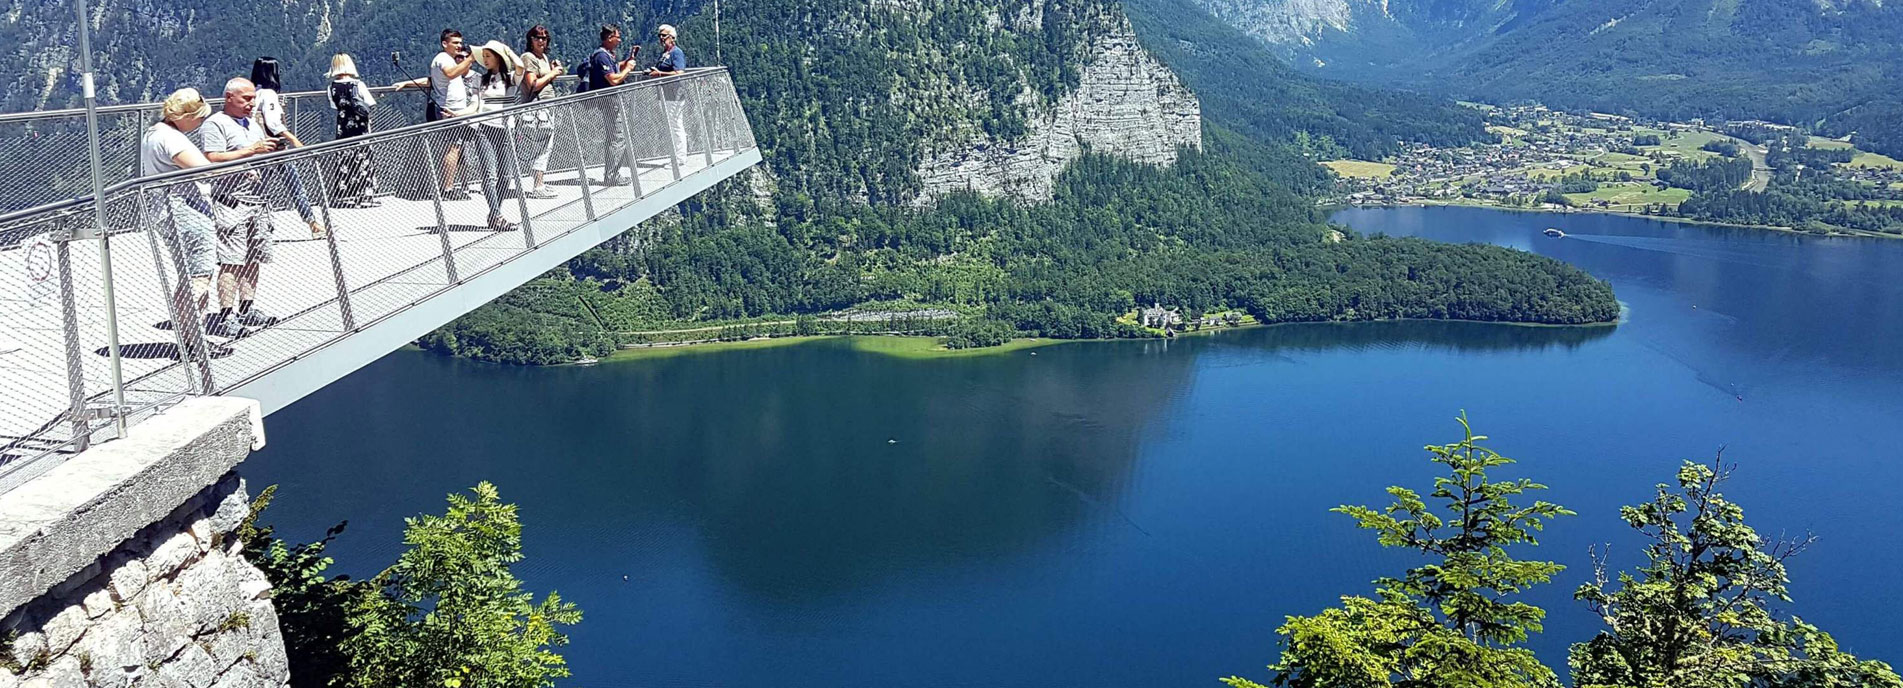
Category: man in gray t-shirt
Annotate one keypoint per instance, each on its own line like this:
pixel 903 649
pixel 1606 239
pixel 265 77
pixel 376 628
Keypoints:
pixel 239 210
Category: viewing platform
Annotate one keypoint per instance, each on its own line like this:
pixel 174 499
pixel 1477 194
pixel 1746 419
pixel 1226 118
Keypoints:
pixel 385 274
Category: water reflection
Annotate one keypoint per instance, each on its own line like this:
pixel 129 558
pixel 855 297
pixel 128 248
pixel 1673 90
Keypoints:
pixel 806 472
pixel 1426 334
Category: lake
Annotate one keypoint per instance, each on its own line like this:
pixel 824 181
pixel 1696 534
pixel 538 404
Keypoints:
pixel 1131 513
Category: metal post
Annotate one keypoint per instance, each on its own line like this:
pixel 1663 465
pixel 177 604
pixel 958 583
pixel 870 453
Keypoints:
pixel 521 197
pixel 627 146
pixel 99 217
pixel 336 260
pixel 442 221
pixel 581 162
pixel 179 319
pixel 706 119
pixel 75 372
pixel 673 156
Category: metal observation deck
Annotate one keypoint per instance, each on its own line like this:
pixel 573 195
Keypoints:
pixel 387 272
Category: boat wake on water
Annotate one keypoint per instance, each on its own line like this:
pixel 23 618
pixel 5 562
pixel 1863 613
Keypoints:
pixel 1710 249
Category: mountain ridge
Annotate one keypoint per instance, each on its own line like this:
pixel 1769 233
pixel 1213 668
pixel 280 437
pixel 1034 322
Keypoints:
pixel 1829 65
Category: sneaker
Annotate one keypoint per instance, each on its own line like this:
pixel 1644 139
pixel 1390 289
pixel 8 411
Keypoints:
pixel 496 222
pixel 613 180
pixel 228 328
pixel 455 195
pixel 257 318
pixel 543 192
pixel 211 351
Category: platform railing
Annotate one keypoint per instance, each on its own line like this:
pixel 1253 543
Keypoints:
pixel 47 162
pixel 391 237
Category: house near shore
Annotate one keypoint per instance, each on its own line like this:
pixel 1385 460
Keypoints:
pixel 1159 318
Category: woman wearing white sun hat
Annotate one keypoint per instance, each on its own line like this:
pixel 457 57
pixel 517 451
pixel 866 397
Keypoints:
pixel 499 87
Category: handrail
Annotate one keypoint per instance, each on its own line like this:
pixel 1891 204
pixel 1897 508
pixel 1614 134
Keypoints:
pixel 35 115
pixel 316 149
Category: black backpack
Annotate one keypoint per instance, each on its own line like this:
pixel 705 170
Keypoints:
pixel 581 70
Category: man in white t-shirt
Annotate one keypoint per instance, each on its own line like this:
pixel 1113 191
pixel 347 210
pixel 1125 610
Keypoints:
pixel 449 74
pixel 240 211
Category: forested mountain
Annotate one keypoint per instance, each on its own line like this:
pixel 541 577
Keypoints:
pixel 856 107
pixel 1833 64
pixel 1231 224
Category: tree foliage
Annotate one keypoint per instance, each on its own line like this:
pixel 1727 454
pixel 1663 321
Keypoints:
pixel 1453 622
pixel 449 613
pixel 1699 613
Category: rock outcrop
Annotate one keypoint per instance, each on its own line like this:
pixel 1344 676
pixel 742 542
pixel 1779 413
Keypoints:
pixel 1126 104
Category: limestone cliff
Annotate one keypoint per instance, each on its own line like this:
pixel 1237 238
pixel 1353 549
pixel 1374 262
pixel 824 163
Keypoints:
pixel 1126 103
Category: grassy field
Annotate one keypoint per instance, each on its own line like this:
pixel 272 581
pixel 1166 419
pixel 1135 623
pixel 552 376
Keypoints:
pixel 1874 160
pixel 1687 143
pixel 1621 162
pixel 1506 132
pixel 1822 143
pixel 1630 195
pixel 1360 169
pixel 1878 204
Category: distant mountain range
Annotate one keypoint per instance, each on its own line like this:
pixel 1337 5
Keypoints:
pixel 1836 65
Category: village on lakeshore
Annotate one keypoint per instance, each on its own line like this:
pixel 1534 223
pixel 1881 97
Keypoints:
pixel 1554 160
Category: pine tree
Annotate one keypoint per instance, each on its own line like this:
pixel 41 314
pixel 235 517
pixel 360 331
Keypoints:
pixel 1698 614
pixel 1449 623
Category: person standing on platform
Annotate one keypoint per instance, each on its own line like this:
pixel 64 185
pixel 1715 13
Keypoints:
pixel 673 99
pixel 604 71
pixel 538 127
pixel 269 111
pixel 449 96
pixel 183 214
pixel 355 183
pixel 240 210
pixel 499 88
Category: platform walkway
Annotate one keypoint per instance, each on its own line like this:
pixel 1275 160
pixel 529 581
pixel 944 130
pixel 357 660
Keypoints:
pixel 382 277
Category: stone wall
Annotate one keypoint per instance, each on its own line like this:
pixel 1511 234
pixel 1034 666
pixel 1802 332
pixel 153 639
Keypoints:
pixel 175 606
pixel 120 567
pixel 1126 104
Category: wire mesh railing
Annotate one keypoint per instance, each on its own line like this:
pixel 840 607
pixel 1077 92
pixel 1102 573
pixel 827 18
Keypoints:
pixel 47 163
pixel 224 274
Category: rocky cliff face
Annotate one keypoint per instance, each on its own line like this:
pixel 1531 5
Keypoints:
pixel 1283 22
pixel 1125 104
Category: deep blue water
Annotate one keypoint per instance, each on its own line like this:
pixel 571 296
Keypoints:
pixel 1131 513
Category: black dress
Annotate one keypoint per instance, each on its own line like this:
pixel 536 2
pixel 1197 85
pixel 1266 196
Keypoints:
pixel 355 183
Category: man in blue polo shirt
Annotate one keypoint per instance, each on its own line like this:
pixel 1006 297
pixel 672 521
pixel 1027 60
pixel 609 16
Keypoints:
pixel 603 71
pixel 673 63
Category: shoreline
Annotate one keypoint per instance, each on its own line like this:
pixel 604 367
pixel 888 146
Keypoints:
pixel 1622 213
pixel 901 346
pixel 930 348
